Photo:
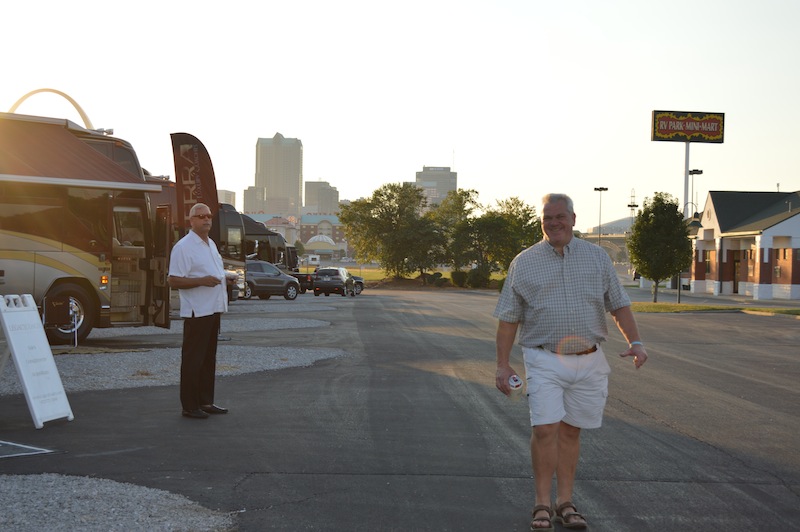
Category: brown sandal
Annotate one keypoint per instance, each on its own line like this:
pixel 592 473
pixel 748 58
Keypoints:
pixel 549 518
pixel 564 517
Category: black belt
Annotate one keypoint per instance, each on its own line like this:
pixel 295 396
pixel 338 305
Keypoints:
pixel 588 351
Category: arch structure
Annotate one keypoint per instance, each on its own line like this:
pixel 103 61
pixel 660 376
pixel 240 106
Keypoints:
pixel 86 122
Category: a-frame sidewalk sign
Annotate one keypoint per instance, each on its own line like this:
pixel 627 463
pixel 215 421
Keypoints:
pixel 36 368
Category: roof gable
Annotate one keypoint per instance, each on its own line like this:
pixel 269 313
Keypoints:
pixel 752 211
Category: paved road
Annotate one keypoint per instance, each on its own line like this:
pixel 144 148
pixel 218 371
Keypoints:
pixel 408 433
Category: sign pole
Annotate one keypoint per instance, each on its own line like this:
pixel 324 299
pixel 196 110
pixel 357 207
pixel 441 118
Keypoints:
pixel 686 184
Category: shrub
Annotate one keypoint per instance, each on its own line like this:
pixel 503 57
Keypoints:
pixel 459 278
pixel 478 278
pixel 431 278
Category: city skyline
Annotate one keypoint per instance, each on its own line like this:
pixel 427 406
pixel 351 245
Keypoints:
pixel 519 98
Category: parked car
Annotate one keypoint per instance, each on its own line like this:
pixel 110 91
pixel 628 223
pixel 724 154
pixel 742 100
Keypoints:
pixel 334 281
pixel 359 284
pixel 264 280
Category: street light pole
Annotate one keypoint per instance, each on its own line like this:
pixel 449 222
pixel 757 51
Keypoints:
pixel 600 213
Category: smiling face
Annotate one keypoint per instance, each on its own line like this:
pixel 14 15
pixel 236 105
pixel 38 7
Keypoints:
pixel 557 223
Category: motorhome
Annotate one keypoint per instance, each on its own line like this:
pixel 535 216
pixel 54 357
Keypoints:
pixel 76 226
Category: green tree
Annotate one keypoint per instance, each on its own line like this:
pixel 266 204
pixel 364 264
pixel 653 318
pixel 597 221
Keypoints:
pixel 450 217
pixel 659 245
pixel 388 228
pixel 520 230
pixel 301 249
pixel 427 249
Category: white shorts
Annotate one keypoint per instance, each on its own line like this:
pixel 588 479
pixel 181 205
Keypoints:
pixel 568 388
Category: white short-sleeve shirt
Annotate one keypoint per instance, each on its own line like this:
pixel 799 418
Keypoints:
pixel 193 257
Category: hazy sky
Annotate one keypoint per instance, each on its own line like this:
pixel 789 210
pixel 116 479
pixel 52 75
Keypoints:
pixel 521 98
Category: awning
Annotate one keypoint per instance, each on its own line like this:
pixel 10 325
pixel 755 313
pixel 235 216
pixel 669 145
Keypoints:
pixel 33 150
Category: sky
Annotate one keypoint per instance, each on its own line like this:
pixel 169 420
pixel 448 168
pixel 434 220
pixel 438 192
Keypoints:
pixel 520 98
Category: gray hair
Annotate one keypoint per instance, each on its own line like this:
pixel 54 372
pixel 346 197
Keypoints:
pixel 553 198
pixel 196 207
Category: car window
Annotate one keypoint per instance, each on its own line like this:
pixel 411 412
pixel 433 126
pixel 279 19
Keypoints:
pixel 270 268
pixel 328 271
pixel 254 267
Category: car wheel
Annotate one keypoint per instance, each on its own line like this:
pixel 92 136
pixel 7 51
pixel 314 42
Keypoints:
pixel 316 294
pixel 265 296
pixel 291 292
pixel 248 291
pixel 327 294
pixel 358 289
pixel 302 290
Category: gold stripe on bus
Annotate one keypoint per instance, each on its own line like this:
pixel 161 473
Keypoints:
pixel 58 247
pixel 63 267
pixel 55 244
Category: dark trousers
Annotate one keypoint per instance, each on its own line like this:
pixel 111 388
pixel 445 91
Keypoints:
pixel 199 361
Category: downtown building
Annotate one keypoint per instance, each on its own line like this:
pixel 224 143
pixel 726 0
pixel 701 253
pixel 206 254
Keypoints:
pixel 436 182
pixel 320 198
pixel 279 177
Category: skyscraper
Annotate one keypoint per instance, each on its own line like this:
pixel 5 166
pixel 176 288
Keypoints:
pixel 279 171
pixel 226 196
pixel 436 182
pixel 321 197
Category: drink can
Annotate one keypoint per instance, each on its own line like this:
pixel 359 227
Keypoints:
pixel 516 387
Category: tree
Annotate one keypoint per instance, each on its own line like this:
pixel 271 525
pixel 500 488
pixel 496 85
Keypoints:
pixel 301 249
pixel 450 217
pixel 659 245
pixel 388 227
pixel 522 229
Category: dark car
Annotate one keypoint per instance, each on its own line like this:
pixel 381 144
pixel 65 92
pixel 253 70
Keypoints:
pixel 264 280
pixel 334 281
pixel 358 284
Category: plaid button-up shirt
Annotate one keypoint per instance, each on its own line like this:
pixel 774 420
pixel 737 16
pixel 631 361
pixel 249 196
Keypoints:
pixel 560 301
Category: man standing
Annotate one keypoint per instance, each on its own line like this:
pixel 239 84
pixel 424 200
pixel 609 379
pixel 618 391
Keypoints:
pixel 196 270
pixel 556 294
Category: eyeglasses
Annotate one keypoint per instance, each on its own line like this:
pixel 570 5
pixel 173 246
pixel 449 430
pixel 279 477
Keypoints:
pixel 203 216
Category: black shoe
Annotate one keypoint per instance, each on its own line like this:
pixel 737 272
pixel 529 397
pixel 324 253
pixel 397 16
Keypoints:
pixel 197 414
pixel 213 409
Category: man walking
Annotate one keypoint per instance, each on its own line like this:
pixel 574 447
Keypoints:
pixel 557 293
pixel 196 270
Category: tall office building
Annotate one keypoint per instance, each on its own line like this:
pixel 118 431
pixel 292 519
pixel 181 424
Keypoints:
pixel 436 182
pixel 226 196
pixel 255 200
pixel 321 198
pixel 279 171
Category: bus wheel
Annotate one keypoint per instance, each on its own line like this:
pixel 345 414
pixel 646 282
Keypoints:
pixel 81 307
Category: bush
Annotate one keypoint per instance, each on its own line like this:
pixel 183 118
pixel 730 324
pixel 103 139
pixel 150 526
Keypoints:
pixel 431 278
pixel 441 281
pixel 478 278
pixel 459 278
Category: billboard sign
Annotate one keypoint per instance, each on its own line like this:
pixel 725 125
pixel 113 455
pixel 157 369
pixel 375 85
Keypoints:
pixel 687 126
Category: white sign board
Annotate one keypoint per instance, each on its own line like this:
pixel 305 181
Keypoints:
pixel 33 359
